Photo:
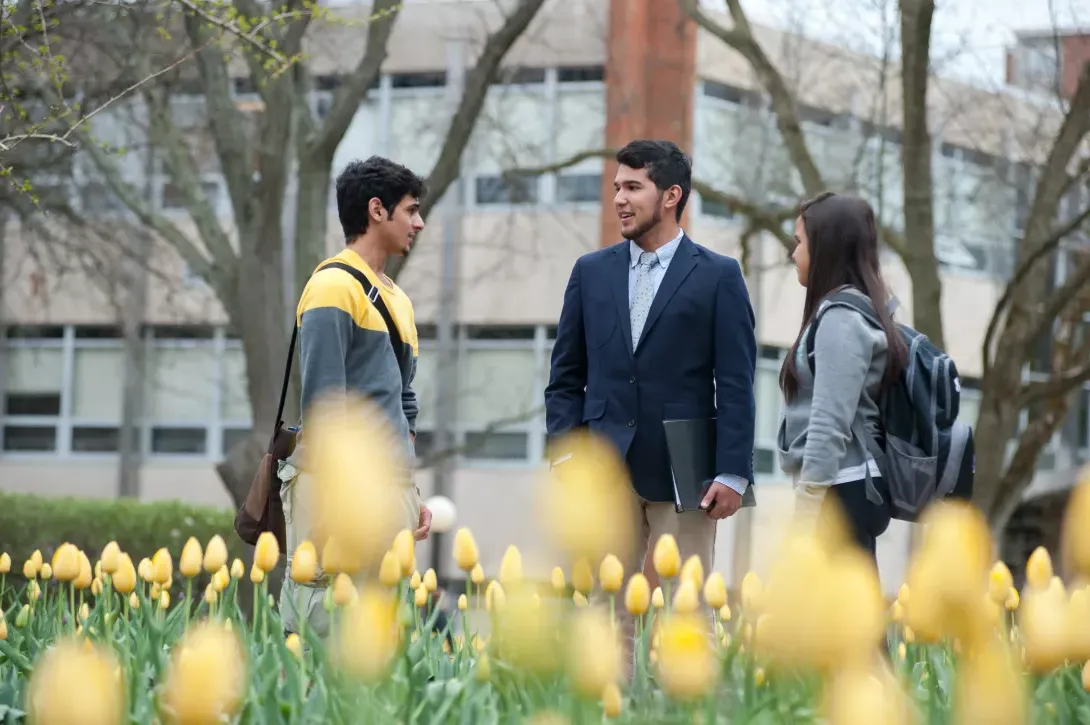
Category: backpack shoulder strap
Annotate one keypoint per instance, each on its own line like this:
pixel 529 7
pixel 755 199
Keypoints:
pixel 375 298
pixel 838 299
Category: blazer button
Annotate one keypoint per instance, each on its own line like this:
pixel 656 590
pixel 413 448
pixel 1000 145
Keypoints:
pixel 632 423
pixel 632 379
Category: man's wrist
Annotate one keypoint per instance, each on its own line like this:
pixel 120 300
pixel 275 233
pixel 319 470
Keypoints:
pixel 734 483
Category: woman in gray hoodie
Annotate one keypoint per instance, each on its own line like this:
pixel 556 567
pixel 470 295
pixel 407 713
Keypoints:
pixel 833 395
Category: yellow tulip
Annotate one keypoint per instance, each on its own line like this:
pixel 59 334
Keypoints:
pixel 1039 568
pixel 415 580
pixel 420 597
pixel 594 653
pixel 47 571
pixel 238 569
pixel 715 591
pixel 511 568
pixel 86 574
pixel 897 611
pixel 3 629
pixel 36 557
pixel 368 637
pixel 215 554
pixel 30 571
pixel 124 576
pixel 477 574
pixel 23 617
pixel 404 548
pixel 686 601
pixel 494 596
pixel 687 664
pixel 145 571
pixel 989 688
pixel 1012 600
pixel 294 645
pixel 189 563
pixel 66 562
pixel 389 573
pixel 164 599
pixel 466 554
pixel 999 582
pixel 483 670
pixel 637 597
pixel 304 563
pixel 220 580
pixel 74 682
pixel 1075 541
pixel 162 567
pixel 611 574
pixel 344 591
pixel 266 552
pixel 582 578
pixel 611 700
pixel 84 612
pixel 338 559
pixel 206 679
pixel 693 569
pixel 429 581
pixel 34 591
pixel 210 594
pixel 580 600
pixel 666 557
pixel 560 585
pixel 96 587
pixel 110 558
pixel 856 695
pixel 724 613
pixel 257 575
pixel 5 563
pixel 658 601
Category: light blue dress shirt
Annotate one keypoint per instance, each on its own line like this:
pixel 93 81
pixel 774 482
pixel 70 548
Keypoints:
pixel 658 271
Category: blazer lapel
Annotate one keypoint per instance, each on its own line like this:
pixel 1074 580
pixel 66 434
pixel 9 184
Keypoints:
pixel 618 273
pixel 681 266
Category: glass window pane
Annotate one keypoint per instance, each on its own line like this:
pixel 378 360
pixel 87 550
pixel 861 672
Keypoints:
pixel 497 384
pixel 181 384
pixel 178 440
pixel 581 121
pixel 764 461
pixel 497 446
pixel 26 438
pixel 34 370
pixel 416 131
pixel 579 188
pixel 768 399
pixel 969 406
pixel 98 383
pixel 236 399
pixel 513 128
pixel 95 439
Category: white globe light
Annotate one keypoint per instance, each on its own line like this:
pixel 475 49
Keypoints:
pixel 443 513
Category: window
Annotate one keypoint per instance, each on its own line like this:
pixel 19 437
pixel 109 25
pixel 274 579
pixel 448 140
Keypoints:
pixel 715 208
pixel 579 188
pixel 97 396
pixel 235 396
pixel 520 76
pixel 766 391
pixel 969 404
pixel 33 380
pixel 419 80
pixel 96 439
pixel 506 190
pixel 181 380
pixel 581 74
pixel 498 385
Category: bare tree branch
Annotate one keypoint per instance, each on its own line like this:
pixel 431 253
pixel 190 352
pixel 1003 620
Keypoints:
pixel 740 37
pixel 478 80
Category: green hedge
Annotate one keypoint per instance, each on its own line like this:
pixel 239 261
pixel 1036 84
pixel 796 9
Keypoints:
pixel 33 522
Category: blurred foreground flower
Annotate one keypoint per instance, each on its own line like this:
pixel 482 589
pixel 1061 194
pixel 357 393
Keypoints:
pixel 687 664
pixel 357 467
pixel 864 697
pixel 526 632
pixel 207 677
pixel 74 683
pixel 583 498
pixel 594 653
pixel 369 636
pixel 990 688
pixel 1075 542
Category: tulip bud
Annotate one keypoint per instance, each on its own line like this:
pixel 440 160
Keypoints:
pixel 110 559
pixel 47 571
pixel 582 578
pixel 257 574
pixel 1039 569
pixel 124 576
pixel 511 568
pixel 404 549
pixel 658 601
pixel 430 582
pixel 414 580
pixel 611 700
pixel 477 574
pixel 145 571
pixel 23 616
pixel 134 601
pixel 189 563
pixel 420 597
pixel 343 590
pixel 164 599
pixel 215 555
pixel 666 557
pixel 162 567
pixel 85 577
pixel 463 602
pixel 389 573
pixel 637 597
pixel 66 562
pixel 559 585
pixel 5 563
pixel 266 552
pixel 611 574
pixel 238 569
pixel 294 645
pixel 686 601
pixel 29 570
pixel 304 563
pixel 466 554
pixel 715 591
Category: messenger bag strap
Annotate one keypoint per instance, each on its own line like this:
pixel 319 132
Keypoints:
pixel 287 379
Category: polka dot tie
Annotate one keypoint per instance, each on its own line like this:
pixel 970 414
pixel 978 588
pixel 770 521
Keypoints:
pixel 643 293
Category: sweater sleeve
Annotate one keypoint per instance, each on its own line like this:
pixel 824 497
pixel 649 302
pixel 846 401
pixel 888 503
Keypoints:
pixel 326 325
pixel 843 348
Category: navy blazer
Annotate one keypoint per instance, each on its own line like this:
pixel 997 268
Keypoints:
pixel 695 358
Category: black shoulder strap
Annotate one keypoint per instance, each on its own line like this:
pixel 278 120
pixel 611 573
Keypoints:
pixel 401 350
pixel 837 299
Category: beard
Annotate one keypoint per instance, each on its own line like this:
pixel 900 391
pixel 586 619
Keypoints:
pixel 642 229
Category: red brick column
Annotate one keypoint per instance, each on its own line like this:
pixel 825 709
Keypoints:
pixel 650 80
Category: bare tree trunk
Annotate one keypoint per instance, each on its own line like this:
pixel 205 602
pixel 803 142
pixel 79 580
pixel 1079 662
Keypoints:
pixel 919 246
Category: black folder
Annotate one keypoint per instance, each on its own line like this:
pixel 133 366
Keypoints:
pixel 691 445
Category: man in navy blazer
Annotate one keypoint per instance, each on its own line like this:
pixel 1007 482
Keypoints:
pixel 653 328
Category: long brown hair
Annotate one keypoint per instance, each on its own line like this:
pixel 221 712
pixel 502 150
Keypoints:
pixel 843 247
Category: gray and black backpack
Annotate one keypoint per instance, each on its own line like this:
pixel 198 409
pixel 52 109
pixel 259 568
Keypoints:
pixel 926 454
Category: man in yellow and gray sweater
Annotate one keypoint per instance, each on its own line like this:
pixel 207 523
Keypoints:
pixel 346 342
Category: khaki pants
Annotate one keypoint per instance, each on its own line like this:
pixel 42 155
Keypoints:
pixel 306 600
pixel 694 533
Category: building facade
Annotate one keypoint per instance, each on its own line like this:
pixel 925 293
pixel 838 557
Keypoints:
pixel 63 356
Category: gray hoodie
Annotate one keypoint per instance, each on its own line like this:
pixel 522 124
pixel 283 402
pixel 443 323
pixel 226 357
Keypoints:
pixel 815 436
